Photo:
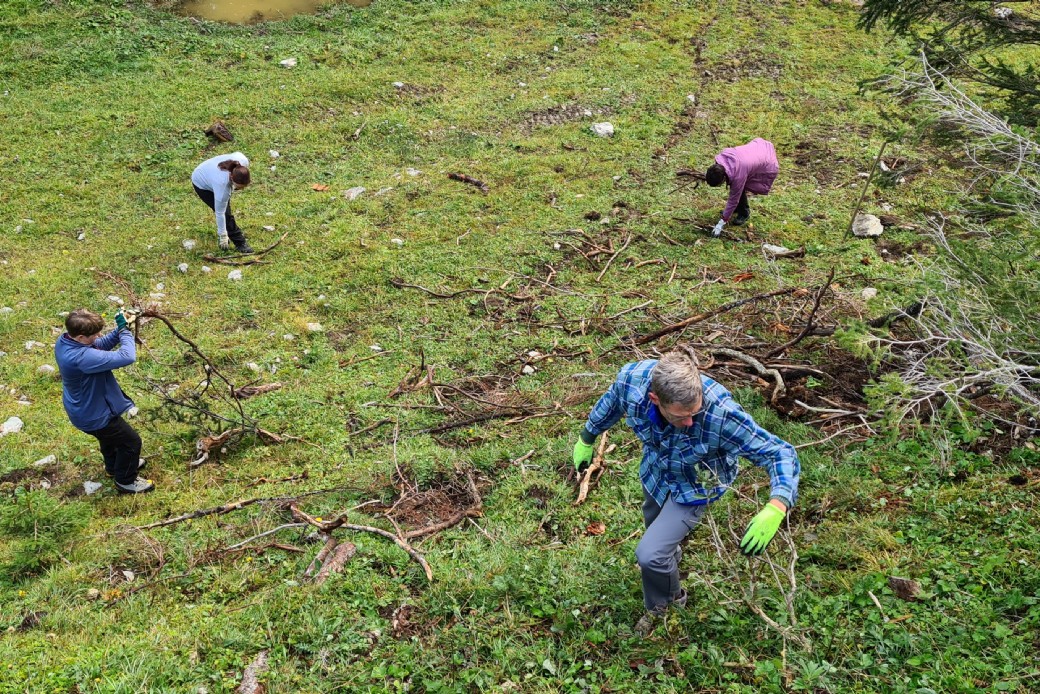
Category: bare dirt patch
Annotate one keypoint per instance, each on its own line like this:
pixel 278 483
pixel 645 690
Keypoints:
pixel 746 65
pixel 560 115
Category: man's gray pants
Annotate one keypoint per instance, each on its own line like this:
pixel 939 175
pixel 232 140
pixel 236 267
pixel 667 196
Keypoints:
pixel 658 553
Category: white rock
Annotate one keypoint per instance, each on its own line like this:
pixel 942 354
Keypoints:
pixel 868 293
pixel 397 242
pixel 1003 12
pixel 412 172
pixel 521 84
pixel 603 129
pixel 322 297
pixel 46 370
pixel 160 286
pixel 45 484
pixel 315 327
pixel 129 575
pixel 288 62
pixel 115 299
pixel 188 244
pixel 557 246
pixel 33 344
pixel 528 369
pixel 375 348
pixel 254 367
pixel 867 225
pixel 91 487
pixel 235 275
pixel 12 426
pixel 183 267
pixel 6 311
pixel 774 251
pixel 274 153
pixel 93 594
pixel 3 354
pixel 268 228
pixel 384 191
pixel 206 269
pixel 18 229
pixel 534 353
pixel 46 460
pixel 274 168
pixel 81 237
pixel 354 193
pixel 157 295
pixel 288 337
pixel 691 98
pixel 398 85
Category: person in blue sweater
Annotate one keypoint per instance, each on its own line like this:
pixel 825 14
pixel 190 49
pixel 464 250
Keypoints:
pixel 214 180
pixel 93 399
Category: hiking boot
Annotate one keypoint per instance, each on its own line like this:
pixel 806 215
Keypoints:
pixel 646 623
pixel 138 486
pixel 740 219
pixel 680 601
pixel 140 466
pixel 244 247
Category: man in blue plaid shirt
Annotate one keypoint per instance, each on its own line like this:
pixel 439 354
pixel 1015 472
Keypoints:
pixel 692 432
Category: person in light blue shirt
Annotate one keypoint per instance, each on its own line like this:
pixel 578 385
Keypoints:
pixel 93 399
pixel 692 432
pixel 214 180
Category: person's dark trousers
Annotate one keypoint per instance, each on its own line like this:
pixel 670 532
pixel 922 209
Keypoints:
pixel 233 232
pixel 121 449
pixel 743 211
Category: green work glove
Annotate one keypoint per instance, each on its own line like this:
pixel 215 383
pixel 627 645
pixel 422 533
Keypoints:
pixel 121 323
pixel 582 455
pixel 761 530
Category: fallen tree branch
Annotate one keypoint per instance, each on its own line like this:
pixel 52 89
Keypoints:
pixel 319 558
pixel 234 506
pixel 597 465
pixel 779 390
pixel 668 329
pixel 255 258
pixel 809 325
pixel 610 260
pixel 249 391
pixel 335 561
pixel 470 180
pixel 475 510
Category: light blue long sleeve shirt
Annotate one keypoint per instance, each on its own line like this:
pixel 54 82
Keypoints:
pixel 208 176
pixel 697 464
pixel 90 393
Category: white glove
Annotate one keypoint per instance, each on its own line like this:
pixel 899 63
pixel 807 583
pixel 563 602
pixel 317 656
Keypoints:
pixel 718 228
pixel 222 241
pixel 132 412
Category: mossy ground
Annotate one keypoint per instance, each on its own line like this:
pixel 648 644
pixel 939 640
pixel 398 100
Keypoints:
pixel 104 104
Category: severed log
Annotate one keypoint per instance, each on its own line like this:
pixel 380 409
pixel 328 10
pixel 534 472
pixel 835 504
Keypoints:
pixel 668 329
pixel 249 391
pixel 319 558
pixel 335 561
pixel 251 683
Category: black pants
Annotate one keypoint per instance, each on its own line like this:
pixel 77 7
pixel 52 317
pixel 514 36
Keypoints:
pixel 121 449
pixel 233 232
pixel 743 210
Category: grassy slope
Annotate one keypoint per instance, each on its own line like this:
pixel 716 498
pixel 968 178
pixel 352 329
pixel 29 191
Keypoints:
pixel 96 91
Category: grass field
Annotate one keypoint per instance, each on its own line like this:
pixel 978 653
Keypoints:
pixel 104 105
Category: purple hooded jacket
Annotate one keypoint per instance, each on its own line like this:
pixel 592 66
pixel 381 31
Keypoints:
pixel 752 167
pixel 89 390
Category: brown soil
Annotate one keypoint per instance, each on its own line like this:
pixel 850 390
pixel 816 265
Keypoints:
pixel 440 501
pixel 745 65
pixel 559 115
pixel 894 251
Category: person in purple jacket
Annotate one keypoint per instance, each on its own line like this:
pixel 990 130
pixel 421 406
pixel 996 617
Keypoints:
pixel 749 168
pixel 93 399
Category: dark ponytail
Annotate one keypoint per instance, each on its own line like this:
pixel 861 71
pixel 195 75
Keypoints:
pixel 239 173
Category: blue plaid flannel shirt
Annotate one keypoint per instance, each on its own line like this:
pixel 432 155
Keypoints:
pixel 698 464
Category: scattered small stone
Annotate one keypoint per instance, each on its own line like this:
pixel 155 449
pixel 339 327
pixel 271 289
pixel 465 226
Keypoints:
pixel 33 344
pixel 183 267
pixel 47 460
pixel 603 129
pixel 397 242
pixel 93 594
pixel 534 354
pixel 556 246
pixel 46 370
pixel 384 191
pixel 45 484
pixel 115 299
pixel 157 295
pixel 1004 13
pixel 691 98
pixel 412 172
pixel 274 153
pixel 288 337
pixel 81 237
pixel 398 85
pixel 868 293
pixel 273 167
pixel 91 487
pixel 206 269
pixel 354 193
pixel 375 348
pixel 773 252
pixel 867 225
pixel 188 244
pixel 129 575
pixel 254 367
pixel 6 311
pixel 235 275
pixel 315 327
pixel 12 426
pixel 528 369
pixel 288 62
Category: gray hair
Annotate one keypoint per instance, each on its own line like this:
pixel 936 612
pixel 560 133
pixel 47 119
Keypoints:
pixel 677 378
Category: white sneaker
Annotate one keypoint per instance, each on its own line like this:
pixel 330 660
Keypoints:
pixel 138 486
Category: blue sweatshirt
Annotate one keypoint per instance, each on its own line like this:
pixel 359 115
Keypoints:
pixel 89 390
pixel 209 176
